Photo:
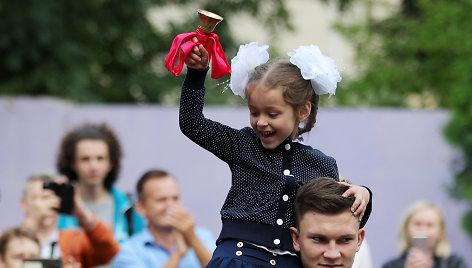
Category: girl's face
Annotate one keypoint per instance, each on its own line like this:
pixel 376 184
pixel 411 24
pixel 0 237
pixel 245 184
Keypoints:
pixel 426 221
pixel 271 117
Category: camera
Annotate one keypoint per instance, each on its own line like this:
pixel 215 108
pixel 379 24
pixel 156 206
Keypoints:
pixel 66 192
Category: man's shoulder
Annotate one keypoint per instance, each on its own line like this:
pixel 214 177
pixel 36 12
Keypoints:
pixel 206 237
pixel 133 252
pixel 201 231
pixel 139 238
pixel 134 245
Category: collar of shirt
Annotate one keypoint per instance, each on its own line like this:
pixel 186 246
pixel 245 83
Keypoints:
pixel 47 246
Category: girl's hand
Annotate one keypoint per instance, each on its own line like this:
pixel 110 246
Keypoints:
pixel 362 196
pixel 198 57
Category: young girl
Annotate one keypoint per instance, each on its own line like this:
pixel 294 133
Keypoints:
pixel 267 162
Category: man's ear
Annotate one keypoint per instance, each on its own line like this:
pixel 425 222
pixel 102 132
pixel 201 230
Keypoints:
pixel 140 208
pixel 22 204
pixel 360 238
pixel 304 111
pixel 295 236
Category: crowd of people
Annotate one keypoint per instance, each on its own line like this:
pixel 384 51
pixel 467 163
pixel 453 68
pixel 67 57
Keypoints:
pixel 286 206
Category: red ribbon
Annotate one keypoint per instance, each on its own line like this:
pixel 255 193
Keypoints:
pixel 183 44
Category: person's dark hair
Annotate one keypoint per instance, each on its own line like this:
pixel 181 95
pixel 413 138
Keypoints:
pixel 153 173
pixel 322 195
pixel 66 156
pixel 296 90
pixel 16 232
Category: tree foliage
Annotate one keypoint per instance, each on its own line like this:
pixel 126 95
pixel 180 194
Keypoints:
pixel 420 56
pixel 106 50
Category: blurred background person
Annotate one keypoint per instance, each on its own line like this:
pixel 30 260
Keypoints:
pixel 16 245
pixel 90 155
pixel 424 219
pixel 91 245
pixel 171 238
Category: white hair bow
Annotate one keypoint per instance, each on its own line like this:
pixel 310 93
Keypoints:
pixel 319 69
pixel 249 57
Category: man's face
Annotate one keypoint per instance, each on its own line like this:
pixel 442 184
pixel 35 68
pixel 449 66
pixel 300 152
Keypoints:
pixel 160 195
pixel 92 161
pixel 327 240
pixel 18 249
pixel 40 203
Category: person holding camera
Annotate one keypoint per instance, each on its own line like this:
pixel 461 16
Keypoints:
pixel 89 246
pixel 89 156
pixel 423 241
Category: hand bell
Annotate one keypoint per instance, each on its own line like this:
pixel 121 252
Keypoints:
pixel 208 21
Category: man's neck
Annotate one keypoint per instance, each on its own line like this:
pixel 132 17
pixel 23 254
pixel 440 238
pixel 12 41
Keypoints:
pixel 45 230
pixel 92 193
pixel 163 236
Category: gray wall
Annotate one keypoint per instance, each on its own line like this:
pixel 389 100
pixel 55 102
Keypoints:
pixel 400 154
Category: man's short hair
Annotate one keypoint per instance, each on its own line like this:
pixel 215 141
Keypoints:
pixel 153 173
pixel 43 177
pixel 322 195
pixel 16 232
pixel 89 131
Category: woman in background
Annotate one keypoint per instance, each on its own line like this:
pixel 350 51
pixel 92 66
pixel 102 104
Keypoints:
pixel 424 219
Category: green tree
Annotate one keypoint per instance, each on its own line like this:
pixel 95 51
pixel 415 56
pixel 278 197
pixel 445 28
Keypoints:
pixel 420 56
pixel 107 50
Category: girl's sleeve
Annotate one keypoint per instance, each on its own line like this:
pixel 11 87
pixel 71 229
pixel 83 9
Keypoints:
pixel 221 140
pixel 368 209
